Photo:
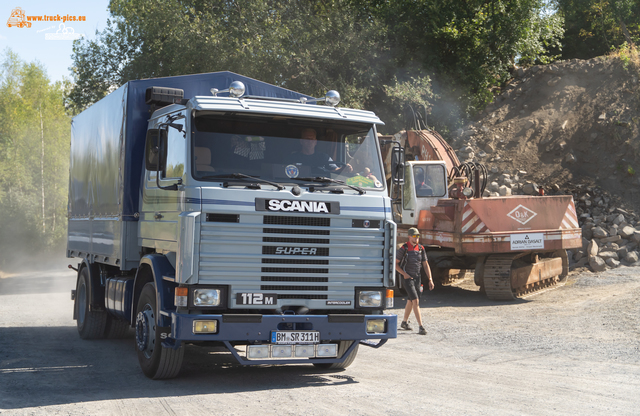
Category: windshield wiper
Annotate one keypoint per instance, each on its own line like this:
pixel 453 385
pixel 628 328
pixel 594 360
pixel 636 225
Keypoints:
pixel 243 176
pixel 324 179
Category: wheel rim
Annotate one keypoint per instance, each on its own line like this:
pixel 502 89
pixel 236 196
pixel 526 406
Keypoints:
pixel 146 331
pixel 82 299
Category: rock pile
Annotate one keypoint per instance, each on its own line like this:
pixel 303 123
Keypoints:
pixel 568 128
pixel 610 235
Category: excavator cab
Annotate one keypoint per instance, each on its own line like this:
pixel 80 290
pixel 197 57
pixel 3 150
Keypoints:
pixel 425 182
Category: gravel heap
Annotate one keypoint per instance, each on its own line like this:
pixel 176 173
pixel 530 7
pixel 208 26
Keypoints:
pixel 610 234
pixel 569 128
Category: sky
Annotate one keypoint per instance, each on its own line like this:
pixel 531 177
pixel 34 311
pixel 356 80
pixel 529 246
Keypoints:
pixel 50 42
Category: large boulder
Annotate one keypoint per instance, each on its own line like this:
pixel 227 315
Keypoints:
pixel 622 252
pixel 592 248
pixel 608 255
pixel 631 257
pixel 599 232
pixel 612 239
pixel 597 264
pixel 530 188
pixel 582 262
pixel 504 190
pixel 612 263
pixel 627 231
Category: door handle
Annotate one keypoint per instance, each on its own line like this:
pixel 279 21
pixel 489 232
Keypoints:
pixel 158 216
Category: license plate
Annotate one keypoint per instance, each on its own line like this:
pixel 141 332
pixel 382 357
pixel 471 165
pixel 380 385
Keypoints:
pixel 256 299
pixel 295 337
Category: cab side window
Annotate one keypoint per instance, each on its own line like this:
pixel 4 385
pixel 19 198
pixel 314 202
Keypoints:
pixel 176 152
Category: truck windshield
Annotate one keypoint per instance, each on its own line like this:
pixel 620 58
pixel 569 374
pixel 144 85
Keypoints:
pixel 282 150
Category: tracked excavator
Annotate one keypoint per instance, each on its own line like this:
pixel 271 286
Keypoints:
pixel 515 245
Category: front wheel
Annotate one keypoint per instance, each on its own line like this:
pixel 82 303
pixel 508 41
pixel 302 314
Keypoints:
pixel 342 347
pixel 157 362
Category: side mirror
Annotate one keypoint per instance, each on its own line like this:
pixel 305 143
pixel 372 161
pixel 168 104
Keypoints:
pixel 397 165
pixel 154 159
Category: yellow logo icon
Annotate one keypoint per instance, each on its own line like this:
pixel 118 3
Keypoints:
pixel 18 18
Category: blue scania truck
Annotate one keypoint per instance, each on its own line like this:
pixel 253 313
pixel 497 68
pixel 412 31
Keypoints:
pixel 195 220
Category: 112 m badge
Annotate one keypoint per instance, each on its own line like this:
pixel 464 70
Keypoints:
pixel 256 299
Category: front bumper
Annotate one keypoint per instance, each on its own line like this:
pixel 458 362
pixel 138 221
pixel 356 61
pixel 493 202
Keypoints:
pixel 256 329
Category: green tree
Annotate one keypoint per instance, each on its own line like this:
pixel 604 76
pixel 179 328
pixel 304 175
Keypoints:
pixel 469 46
pixel 34 153
pixel 363 48
pixel 593 27
pixel 303 45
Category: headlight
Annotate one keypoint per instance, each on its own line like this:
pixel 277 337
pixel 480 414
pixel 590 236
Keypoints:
pixel 206 297
pixel 467 192
pixel 370 299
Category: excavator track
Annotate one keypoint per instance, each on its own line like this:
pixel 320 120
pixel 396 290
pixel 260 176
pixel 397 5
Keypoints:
pixel 503 282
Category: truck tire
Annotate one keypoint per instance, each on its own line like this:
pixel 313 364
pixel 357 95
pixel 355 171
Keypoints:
pixel 91 324
pixel 342 347
pixel 116 328
pixel 157 362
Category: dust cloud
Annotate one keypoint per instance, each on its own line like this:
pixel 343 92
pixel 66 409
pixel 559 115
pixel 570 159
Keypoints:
pixel 37 273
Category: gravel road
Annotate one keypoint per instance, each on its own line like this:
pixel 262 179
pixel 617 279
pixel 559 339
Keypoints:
pixel 569 351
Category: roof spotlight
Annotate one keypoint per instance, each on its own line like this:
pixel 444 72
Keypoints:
pixel 332 98
pixel 236 90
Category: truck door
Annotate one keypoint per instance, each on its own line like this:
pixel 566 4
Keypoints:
pixel 160 207
pixel 424 184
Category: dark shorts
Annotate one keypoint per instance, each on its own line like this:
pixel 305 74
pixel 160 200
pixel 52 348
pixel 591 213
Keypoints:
pixel 412 287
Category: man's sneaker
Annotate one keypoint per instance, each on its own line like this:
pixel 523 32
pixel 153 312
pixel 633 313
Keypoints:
pixel 405 325
pixel 422 331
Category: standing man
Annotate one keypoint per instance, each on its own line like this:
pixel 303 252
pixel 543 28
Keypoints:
pixel 413 256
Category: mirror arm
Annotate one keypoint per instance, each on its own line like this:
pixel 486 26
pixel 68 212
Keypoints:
pixel 172 187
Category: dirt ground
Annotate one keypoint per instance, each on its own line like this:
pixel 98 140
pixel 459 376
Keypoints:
pixel 572 350
pixel 589 109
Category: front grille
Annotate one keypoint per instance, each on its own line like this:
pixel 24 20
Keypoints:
pixel 292 270
pixel 279 231
pixel 301 221
pixel 304 288
pixel 295 240
pixel 302 296
pixel 294 279
pixel 290 261
pixel 305 258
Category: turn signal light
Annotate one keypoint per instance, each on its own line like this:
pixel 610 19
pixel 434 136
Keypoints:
pixel 181 296
pixel 389 298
